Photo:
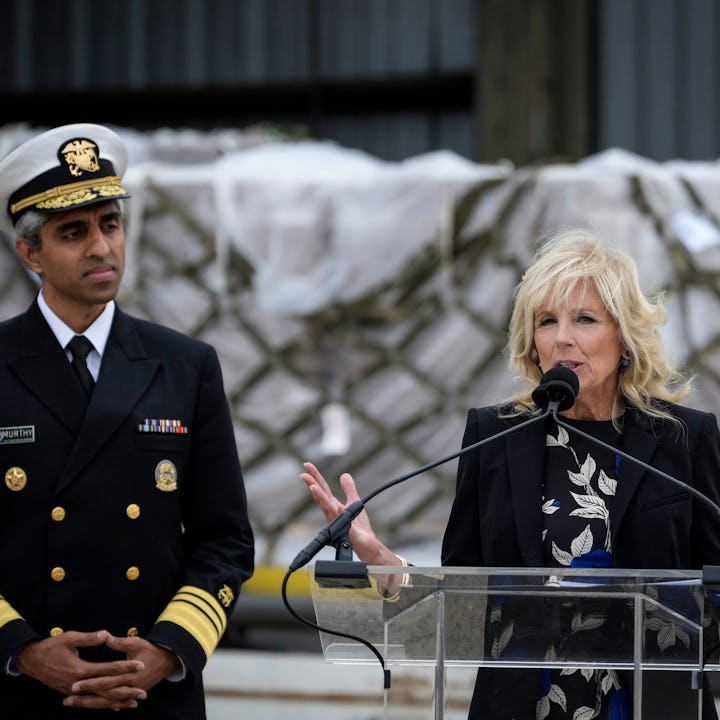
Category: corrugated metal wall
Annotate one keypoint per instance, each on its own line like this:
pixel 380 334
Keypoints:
pixel 80 44
pixel 659 80
pixel 394 77
pixel 302 51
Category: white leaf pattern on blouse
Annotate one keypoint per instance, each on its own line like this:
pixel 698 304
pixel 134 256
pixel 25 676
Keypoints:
pixel 557 696
pixel 542 709
pixel 683 636
pixel 587 470
pixel 499 644
pixel 562 439
pixel 583 543
pixel 606 685
pixel 590 507
pixel 550 506
pixel 584 713
pixel 563 557
pixel 587 622
pixel 607 484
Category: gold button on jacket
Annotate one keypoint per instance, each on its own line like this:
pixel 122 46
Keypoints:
pixel 133 573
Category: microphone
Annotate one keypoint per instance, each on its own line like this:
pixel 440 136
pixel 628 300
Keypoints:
pixel 559 384
pixel 332 534
pixel 557 390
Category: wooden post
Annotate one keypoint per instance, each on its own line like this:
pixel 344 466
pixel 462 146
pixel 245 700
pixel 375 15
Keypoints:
pixel 533 84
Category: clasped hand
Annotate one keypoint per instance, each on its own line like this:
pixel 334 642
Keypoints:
pixel 112 685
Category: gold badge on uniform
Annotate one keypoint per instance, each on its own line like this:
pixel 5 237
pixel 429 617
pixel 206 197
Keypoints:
pixel 15 479
pixel 166 476
pixel 225 595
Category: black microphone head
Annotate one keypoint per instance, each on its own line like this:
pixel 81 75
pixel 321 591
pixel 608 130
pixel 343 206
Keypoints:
pixel 560 385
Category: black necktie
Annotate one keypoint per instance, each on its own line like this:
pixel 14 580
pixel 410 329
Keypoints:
pixel 79 348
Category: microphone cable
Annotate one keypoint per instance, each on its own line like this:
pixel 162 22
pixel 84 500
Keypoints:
pixel 320 628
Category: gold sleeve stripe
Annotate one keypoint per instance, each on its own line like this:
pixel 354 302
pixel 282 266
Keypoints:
pixel 194 622
pixel 196 611
pixel 7 612
pixel 204 602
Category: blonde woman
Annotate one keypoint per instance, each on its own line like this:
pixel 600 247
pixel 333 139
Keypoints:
pixel 521 501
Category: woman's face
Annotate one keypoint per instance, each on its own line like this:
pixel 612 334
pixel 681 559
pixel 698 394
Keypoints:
pixel 581 335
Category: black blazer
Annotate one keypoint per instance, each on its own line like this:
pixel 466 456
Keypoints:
pixel 97 535
pixel 495 519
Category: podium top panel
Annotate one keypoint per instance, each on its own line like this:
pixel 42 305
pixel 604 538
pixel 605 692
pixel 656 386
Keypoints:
pixel 541 577
pixel 522 617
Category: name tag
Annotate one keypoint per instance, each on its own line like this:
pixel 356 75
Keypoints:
pixel 17 434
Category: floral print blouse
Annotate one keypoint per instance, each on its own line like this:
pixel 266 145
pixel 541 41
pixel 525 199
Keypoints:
pixel 580 483
pixel 579 487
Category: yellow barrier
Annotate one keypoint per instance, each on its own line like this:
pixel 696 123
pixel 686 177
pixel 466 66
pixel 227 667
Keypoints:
pixel 267 580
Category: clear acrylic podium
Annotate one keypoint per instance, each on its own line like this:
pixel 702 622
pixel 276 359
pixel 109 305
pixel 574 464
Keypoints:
pixel 649 625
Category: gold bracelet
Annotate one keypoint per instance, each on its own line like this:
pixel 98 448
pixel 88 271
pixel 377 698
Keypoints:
pixel 404 582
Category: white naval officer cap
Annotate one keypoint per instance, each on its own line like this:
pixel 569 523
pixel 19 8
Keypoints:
pixel 62 169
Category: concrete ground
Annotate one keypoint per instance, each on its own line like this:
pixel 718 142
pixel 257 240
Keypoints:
pixel 299 686
pixel 302 686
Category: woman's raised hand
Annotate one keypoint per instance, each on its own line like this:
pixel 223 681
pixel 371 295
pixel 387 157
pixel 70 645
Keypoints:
pixel 362 537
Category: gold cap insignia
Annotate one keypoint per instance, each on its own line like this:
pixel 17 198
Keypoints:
pixel 80 156
pixel 166 476
pixel 15 479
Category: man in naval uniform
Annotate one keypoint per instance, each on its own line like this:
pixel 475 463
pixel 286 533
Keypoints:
pixel 124 532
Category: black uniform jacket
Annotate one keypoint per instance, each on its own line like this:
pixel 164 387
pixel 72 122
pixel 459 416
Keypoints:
pixel 130 516
pixel 496 520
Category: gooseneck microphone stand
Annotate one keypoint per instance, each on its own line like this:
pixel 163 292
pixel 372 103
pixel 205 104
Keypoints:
pixel 554 393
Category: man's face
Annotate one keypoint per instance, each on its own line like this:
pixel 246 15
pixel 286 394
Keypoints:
pixel 81 260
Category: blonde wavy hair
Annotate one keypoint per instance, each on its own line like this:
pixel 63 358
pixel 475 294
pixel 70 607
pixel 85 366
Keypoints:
pixel 578 258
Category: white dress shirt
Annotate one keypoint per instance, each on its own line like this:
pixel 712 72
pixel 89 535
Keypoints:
pixel 97 333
